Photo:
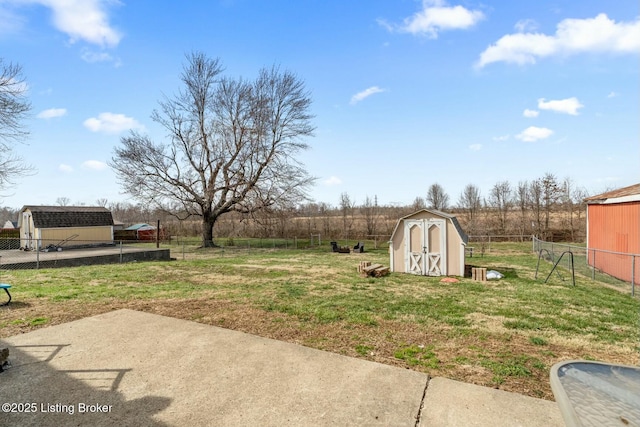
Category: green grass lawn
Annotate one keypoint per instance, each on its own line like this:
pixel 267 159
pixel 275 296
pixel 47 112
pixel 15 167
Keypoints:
pixel 504 333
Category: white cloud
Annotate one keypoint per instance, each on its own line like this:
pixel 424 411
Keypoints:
pixel 573 36
pixel 365 94
pixel 91 56
pixel 567 106
pixel 475 147
pixel 525 25
pixel 86 20
pixel 111 123
pixel 612 95
pixel 436 16
pixel 534 133
pixel 530 113
pixel 333 180
pixel 65 168
pixel 501 138
pixel 94 165
pixel 52 113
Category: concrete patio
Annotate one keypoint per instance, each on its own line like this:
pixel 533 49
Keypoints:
pixel 129 368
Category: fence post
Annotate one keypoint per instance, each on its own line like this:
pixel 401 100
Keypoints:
pixel 593 266
pixel 295 242
pixel 37 256
pixel 120 251
pixel 183 250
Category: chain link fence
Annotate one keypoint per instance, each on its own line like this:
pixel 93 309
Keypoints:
pixel 610 267
pixel 17 254
pixel 191 248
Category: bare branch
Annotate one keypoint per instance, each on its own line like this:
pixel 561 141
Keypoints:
pixel 437 198
pixel 231 145
pixel 14 109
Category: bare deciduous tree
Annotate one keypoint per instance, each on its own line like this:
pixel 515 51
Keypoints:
pixel 544 193
pixel 63 201
pixel 324 209
pixel 231 145
pixel 309 211
pixel 346 207
pixel 418 203
pixel 551 193
pixel 566 198
pixel 500 200
pixel 371 212
pixel 102 202
pixel 7 214
pixel 521 199
pixel 14 108
pixel 579 194
pixel 437 198
pixel 535 204
pixel 470 201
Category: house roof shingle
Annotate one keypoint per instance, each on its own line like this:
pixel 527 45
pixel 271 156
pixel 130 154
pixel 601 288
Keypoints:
pixel 69 216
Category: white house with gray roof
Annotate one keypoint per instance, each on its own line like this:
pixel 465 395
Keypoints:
pixel 42 226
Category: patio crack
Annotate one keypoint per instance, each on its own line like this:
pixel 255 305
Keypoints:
pixel 424 395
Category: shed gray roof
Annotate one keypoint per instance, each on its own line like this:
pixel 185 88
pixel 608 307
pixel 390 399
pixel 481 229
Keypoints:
pixel 69 216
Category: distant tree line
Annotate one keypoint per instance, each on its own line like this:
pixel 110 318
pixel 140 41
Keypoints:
pixel 547 207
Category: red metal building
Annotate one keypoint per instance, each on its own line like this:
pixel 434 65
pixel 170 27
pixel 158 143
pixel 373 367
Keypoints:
pixel 613 232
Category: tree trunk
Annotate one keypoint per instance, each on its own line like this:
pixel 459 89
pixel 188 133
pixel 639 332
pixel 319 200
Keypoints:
pixel 208 220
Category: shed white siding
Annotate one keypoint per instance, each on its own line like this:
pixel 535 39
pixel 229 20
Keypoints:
pixel 428 242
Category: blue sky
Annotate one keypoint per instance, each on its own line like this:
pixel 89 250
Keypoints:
pixel 406 93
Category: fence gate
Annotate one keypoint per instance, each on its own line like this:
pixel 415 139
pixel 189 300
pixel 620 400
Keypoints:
pixel 425 247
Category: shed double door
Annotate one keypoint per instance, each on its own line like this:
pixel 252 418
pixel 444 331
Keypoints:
pixel 425 247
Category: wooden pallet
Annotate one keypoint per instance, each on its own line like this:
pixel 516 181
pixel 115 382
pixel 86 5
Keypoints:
pixel 366 269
